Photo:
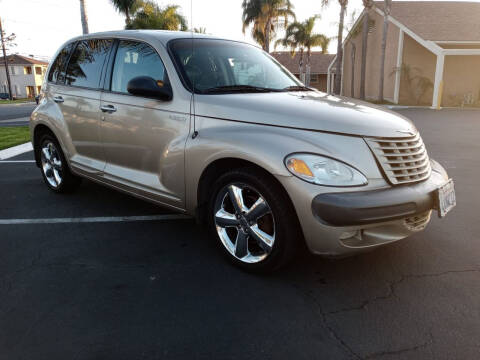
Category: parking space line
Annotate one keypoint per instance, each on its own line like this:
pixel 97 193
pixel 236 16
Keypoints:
pixel 15 150
pixel 99 219
pixel 16 161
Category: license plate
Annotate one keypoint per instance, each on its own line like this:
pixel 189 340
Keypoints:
pixel 446 198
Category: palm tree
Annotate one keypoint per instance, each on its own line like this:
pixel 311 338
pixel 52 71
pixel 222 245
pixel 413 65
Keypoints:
pixel 151 16
pixel 292 40
pixel 83 16
pixel 338 64
pixel 126 7
pixel 386 11
pixel 365 30
pixel 266 16
pixel 299 34
pixel 325 42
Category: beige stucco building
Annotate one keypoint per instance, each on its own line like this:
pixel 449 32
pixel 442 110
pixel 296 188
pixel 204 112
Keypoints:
pixel 26 75
pixel 432 54
pixel 318 66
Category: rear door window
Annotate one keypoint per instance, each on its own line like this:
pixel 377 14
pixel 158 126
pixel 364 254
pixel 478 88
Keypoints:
pixel 86 63
pixel 135 59
pixel 57 72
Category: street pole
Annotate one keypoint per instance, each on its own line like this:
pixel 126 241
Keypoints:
pixel 6 63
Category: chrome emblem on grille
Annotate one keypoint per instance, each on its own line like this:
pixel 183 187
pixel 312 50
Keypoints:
pixel 408 132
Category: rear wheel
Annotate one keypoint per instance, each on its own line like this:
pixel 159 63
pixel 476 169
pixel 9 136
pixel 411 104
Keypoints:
pixel 254 220
pixel 54 167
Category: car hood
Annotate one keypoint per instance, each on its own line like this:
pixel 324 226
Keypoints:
pixel 306 110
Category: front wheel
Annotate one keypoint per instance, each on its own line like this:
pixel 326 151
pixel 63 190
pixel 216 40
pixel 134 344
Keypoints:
pixel 253 220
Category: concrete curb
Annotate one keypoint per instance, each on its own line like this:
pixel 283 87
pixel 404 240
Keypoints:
pixel 15 150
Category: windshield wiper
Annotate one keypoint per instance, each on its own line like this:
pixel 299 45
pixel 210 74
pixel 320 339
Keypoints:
pixel 237 88
pixel 297 88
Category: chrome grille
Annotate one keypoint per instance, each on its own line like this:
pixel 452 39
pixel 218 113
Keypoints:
pixel 418 222
pixel 404 160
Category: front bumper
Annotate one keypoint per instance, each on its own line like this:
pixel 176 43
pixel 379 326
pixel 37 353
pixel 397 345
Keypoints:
pixel 343 223
pixel 368 207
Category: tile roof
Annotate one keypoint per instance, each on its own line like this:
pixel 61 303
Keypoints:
pixel 439 20
pixel 21 60
pixel 319 62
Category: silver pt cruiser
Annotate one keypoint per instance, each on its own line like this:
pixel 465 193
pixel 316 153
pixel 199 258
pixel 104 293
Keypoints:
pixel 220 130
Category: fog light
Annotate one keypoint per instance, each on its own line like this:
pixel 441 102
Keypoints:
pixel 351 234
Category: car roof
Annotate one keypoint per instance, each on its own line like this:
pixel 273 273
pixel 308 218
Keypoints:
pixel 156 35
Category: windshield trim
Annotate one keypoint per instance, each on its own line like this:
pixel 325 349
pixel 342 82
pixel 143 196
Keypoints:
pixel 186 81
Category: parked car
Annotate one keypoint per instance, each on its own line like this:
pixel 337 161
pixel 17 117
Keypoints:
pixel 4 96
pixel 220 130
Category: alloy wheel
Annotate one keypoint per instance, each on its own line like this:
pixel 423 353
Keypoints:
pixel 51 164
pixel 244 222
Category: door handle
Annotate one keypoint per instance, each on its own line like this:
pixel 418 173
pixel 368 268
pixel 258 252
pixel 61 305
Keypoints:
pixel 108 108
pixel 58 99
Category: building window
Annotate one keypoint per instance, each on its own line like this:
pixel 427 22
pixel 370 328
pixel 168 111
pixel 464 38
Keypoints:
pixel 27 70
pixel 12 70
pixel 39 89
pixel 313 78
pixel 38 70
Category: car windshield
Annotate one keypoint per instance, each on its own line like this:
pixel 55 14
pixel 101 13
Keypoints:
pixel 222 66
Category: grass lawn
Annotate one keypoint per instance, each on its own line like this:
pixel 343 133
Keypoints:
pixel 17 101
pixel 11 136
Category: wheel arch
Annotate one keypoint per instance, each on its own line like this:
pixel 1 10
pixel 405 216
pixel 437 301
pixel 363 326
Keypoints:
pixel 218 167
pixel 38 131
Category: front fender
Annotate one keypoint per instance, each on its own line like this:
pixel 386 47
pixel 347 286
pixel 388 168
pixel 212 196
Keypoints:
pixel 266 146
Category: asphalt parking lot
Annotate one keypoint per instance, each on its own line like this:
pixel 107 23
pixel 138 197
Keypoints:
pixel 15 114
pixel 160 289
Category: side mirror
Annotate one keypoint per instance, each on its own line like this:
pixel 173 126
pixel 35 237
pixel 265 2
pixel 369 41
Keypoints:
pixel 147 87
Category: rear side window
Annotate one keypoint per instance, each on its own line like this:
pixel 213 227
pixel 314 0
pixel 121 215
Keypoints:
pixel 86 63
pixel 135 59
pixel 57 72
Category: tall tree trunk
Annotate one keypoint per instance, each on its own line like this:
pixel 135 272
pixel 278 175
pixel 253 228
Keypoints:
pixel 5 59
pixel 384 47
pixel 352 84
pixel 83 15
pixel 300 65
pixel 363 69
pixel 307 72
pixel 338 65
pixel 127 16
pixel 267 35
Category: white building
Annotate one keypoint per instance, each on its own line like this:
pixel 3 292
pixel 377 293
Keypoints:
pixel 26 75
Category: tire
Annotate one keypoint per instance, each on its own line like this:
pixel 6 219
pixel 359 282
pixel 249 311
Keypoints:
pixel 54 166
pixel 254 243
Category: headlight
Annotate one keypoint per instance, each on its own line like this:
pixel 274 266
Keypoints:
pixel 322 170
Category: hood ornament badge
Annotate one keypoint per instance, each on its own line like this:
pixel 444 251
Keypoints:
pixel 409 132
